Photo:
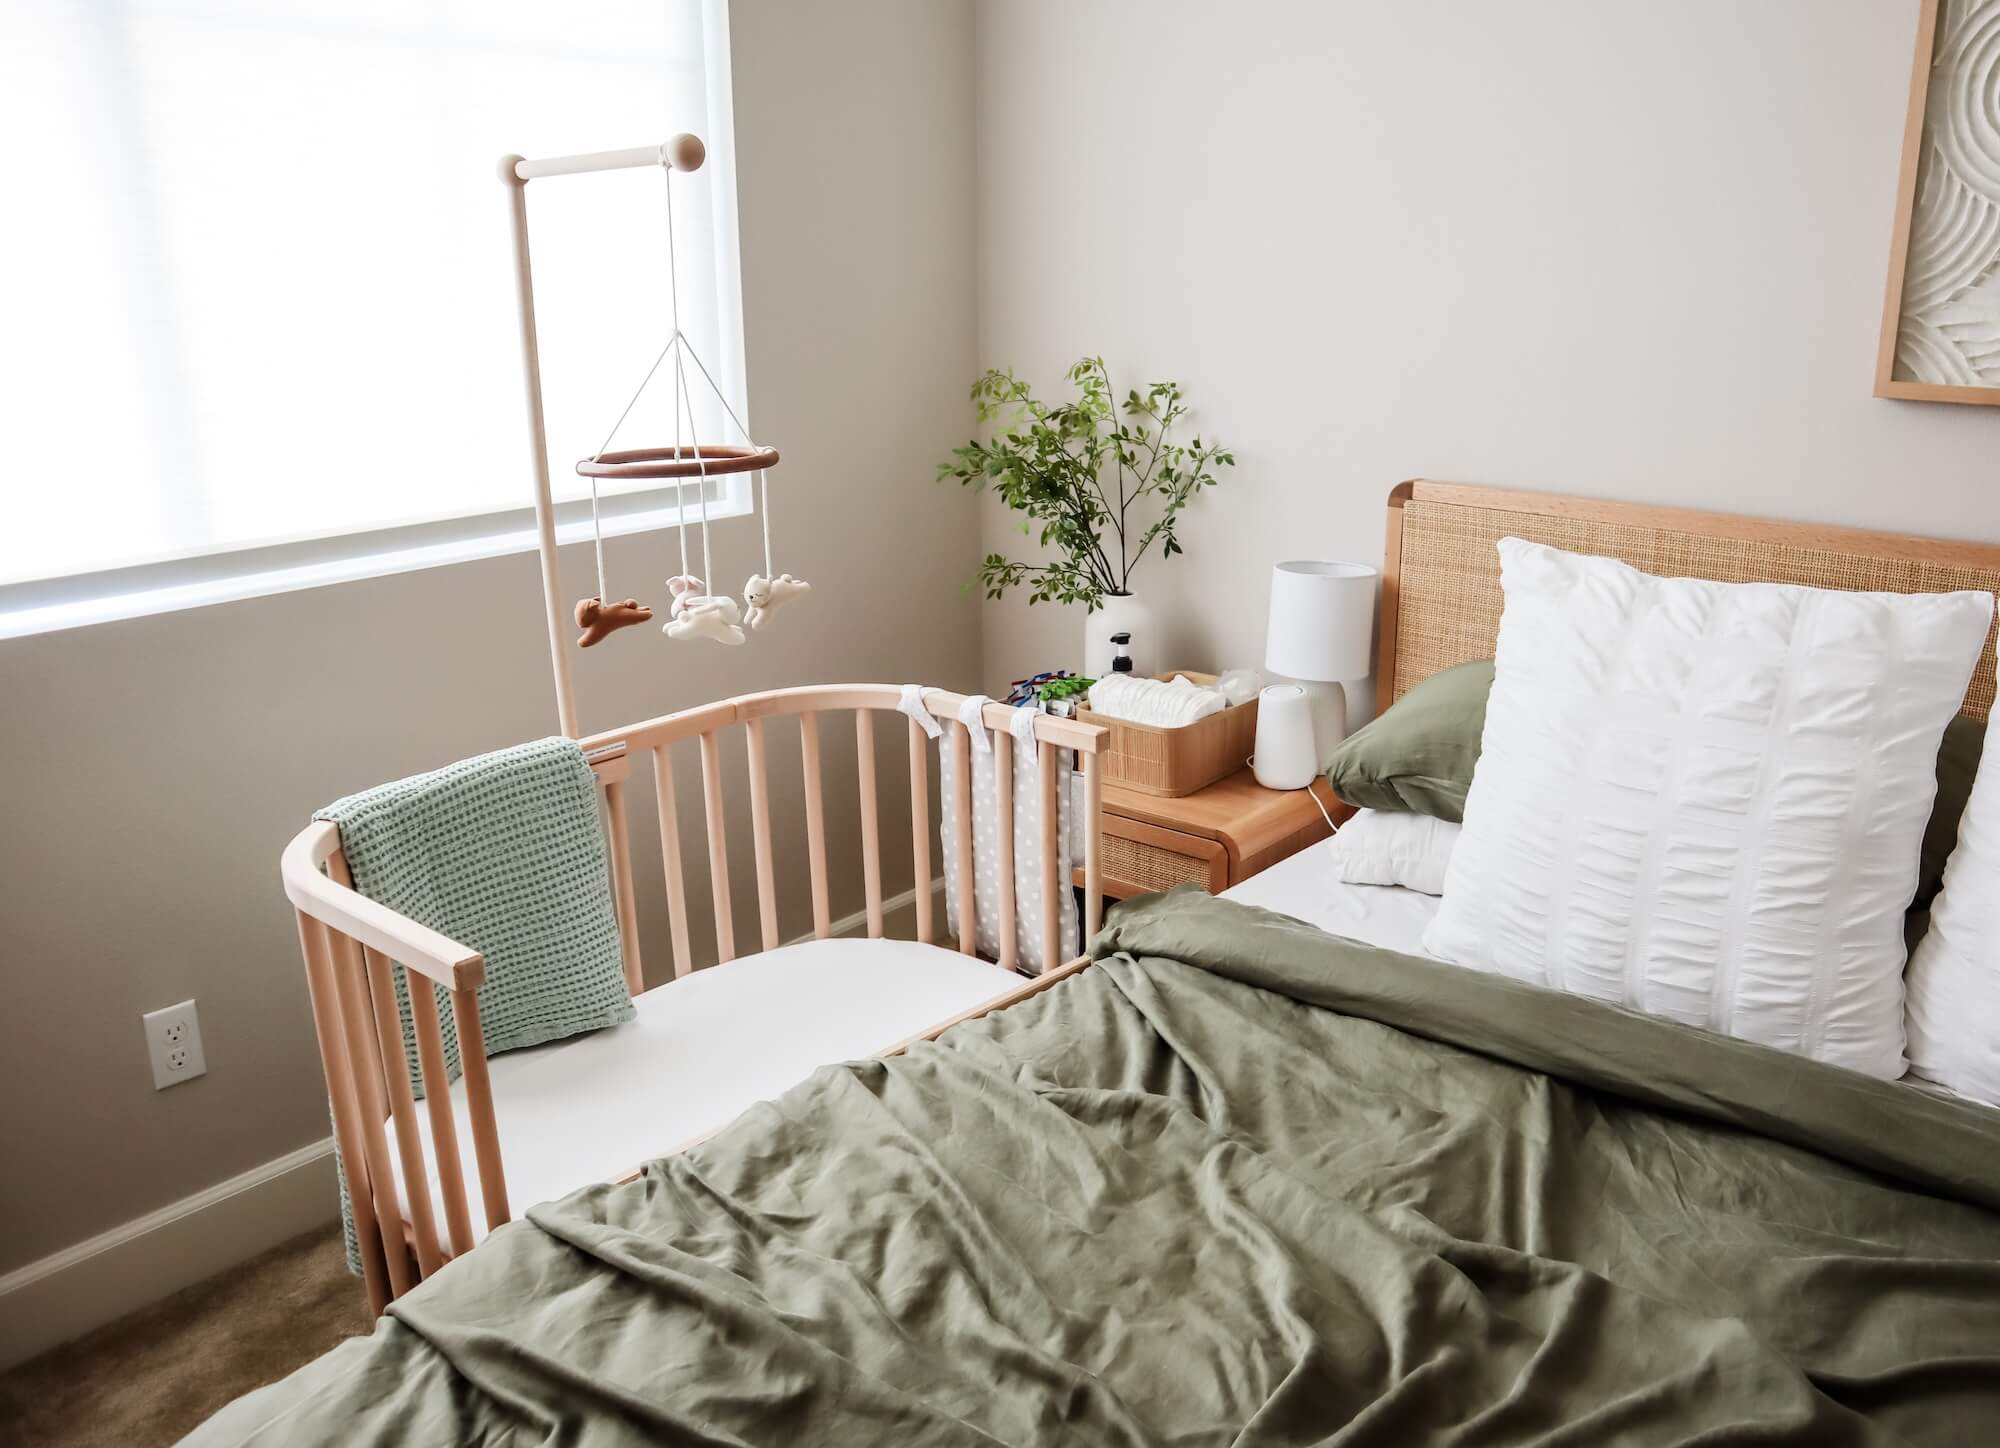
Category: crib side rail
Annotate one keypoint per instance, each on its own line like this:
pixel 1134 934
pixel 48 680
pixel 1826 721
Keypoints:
pixel 611 753
pixel 341 907
pixel 352 947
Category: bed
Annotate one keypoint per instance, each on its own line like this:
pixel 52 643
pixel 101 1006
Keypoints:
pixel 1255 1170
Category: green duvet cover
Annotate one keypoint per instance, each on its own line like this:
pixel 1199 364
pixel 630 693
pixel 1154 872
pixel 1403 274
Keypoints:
pixel 1240 1183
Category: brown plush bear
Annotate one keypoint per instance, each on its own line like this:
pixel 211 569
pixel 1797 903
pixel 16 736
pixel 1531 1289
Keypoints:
pixel 599 619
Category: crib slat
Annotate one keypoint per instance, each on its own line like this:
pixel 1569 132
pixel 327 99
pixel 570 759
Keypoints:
pixel 815 823
pixel 323 992
pixel 670 857
pixel 362 1051
pixel 968 909
pixel 1093 807
pixel 760 829
pixel 920 828
pixel 437 1103
pixel 718 846
pixel 479 1106
pixel 364 1061
pixel 1003 842
pixel 1051 885
pixel 403 1108
pixel 871 824
pixel 621 884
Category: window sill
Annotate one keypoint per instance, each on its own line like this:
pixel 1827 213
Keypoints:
pixel 52 605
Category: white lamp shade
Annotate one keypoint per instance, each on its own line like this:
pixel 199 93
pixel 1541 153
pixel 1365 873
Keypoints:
pixel 1322 620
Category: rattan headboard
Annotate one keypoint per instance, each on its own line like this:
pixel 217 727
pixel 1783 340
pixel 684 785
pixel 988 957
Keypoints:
pixel 1441 574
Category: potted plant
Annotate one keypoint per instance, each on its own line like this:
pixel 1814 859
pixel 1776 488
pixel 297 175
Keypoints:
pixel 1104 492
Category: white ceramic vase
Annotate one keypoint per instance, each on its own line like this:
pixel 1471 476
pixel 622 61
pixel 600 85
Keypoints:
pixel 1121 613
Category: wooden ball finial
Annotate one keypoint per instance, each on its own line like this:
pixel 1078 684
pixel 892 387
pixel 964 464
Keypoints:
pixel 684 152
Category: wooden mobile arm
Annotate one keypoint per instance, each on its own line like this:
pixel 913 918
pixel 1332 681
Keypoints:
pixel 679 153
pixel 347 910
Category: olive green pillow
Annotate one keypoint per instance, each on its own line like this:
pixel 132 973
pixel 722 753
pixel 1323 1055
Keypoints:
pixel 1418 758
pixel 1957 763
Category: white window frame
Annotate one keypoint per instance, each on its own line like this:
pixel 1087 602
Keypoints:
pixel 235 572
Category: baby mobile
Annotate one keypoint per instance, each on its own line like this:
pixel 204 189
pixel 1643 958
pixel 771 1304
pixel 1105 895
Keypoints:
pixel 695 611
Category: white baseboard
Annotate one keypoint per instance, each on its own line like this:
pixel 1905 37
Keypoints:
pixel 857 922
pixel 94 1282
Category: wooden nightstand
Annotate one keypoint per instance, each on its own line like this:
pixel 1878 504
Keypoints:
pixel 1215 837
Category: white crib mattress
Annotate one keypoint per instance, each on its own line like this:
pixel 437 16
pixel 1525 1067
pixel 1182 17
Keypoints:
pixel 1305 887
pixel 703 1049
pixel 707 1047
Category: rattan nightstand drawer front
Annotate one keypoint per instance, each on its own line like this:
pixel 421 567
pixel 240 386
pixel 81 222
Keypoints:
pixel 1149 867
pixel 1139 858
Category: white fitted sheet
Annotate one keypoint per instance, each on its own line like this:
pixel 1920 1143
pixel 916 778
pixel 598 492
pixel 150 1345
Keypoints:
pixel 703 1049
pixel 1306 887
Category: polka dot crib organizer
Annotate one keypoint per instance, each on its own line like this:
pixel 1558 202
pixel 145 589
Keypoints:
pixel 1030 950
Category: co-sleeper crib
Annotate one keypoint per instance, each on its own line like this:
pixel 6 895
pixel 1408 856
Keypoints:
pixel 354 947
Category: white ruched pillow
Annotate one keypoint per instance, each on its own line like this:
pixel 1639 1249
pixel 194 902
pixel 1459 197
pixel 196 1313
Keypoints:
pixel 1953 984
pixel 1706 800
pixel 1387 847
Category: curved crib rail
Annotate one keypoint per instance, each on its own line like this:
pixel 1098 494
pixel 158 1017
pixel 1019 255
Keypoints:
pixel 354 946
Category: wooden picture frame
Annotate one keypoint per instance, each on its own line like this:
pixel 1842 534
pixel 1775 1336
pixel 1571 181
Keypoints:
pixel 1919 156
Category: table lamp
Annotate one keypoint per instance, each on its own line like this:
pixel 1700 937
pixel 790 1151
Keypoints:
pixel 1321 626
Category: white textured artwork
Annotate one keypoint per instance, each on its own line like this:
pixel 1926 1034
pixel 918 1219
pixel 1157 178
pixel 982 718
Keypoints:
pixel 1948 325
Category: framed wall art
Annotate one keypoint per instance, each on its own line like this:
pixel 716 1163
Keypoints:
pixel 1941 317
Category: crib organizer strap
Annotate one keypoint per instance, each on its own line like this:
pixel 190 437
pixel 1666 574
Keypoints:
pixel 357 952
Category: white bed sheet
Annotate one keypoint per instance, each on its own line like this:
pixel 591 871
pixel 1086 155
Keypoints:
pixel 703 1050
pixel 1305 886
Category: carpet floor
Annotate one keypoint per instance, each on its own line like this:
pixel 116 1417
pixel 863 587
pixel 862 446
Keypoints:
pixel 153 1376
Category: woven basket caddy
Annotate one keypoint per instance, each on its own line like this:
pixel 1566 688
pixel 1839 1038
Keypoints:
pixel 1173 762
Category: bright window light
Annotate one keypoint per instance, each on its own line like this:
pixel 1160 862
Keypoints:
pixel 258 285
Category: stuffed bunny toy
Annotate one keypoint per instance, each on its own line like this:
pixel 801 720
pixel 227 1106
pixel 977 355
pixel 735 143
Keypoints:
pixel 698 615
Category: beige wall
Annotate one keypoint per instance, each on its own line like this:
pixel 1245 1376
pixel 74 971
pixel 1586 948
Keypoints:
pixel 151 770
pixel 1628 249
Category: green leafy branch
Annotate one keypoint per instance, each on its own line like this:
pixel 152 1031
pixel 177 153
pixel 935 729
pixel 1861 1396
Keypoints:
pixel 1088 478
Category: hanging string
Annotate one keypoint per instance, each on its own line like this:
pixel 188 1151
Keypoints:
pixel 680 484
pixel 674 294
pixel 673 260
pixel 764 486
pixel 682 395
pixel 637 393
pixel 597 538
pixel 707 564
pixel 596 525
pixel 695 357
pixel 680 391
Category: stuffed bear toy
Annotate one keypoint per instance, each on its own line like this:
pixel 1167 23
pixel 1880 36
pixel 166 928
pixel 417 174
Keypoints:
pixel 599 620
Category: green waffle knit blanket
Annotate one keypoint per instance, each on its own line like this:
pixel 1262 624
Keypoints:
pixel 505 853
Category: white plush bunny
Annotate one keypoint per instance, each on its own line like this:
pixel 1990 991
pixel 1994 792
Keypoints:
pixel 764 595
pixel 709 618
pixel 698 615
pixel 684 586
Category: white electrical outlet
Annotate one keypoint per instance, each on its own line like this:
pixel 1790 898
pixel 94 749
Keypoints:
pixel 173 1040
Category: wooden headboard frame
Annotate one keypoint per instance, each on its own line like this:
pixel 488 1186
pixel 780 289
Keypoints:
pixel 1441 574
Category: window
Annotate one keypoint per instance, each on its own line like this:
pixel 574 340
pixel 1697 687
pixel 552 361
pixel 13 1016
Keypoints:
pixel 260 307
